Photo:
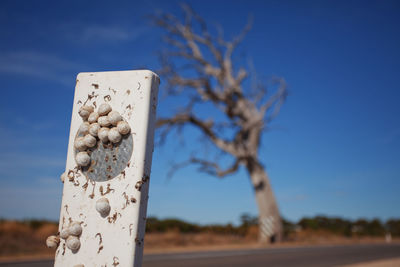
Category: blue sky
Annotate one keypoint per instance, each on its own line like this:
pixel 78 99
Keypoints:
pixel 334 149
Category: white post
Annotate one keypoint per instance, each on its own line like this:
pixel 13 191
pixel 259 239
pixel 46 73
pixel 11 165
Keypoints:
pixel 103 211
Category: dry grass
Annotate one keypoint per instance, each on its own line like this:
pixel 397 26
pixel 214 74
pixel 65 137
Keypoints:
pixel 18 238
pixel 325 237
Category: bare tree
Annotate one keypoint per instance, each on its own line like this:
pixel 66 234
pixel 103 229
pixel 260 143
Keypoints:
pixel 199 65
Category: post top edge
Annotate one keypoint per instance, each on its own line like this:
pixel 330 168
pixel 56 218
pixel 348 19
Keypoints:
pixel 121 71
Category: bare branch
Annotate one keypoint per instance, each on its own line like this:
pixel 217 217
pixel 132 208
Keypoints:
pixel 213 168
pixel 205 166
pixel 204 126
pixel 275 101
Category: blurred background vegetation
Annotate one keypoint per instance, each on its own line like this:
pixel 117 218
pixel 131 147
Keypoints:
pixel 28 237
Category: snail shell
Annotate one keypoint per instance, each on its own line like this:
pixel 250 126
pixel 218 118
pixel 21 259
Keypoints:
pixel 104 109
pixel 84 128
pixel 89 140
pixel 114 117
pixel 64 234
pixel 73 243
pixel 103 134
pixel 103 206
pixel 85 111
pixel 123 127
pixel 80 144
pixel 114 136
pixel 93 117
pixel 63 176
pixel 94 129
pixel 75 229
pixel 103 121
pixel 52 241
pixel 82 159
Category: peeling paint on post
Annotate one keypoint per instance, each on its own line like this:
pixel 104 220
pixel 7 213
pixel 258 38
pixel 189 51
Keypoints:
pixel 103 211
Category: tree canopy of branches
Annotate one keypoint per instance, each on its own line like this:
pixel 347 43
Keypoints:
pixel 200 65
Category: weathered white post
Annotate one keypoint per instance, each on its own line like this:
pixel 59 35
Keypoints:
pixel 106 182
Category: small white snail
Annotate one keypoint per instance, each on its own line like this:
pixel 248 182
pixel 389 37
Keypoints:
pixel 114 136
pixel 103 121
pixel 114 117
pixel 84 128
pixel 64 234
pixel 63 176
pixel 94 129
pixel 80 144
pixel 85 111
pixel 103 206
pixel 73 243
pixel 103 134
pixel 89 140
pixel 123 127
pixel 75 229
pixel 93 117
pixel 104 109
pixel 52 241
pixel 82 159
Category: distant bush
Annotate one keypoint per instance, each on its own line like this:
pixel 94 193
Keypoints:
pixel 334 225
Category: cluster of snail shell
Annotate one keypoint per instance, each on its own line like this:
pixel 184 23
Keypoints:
pixel 106 125
pixel 71 236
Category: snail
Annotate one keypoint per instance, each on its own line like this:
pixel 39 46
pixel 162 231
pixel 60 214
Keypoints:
pixel 104 109
pixel 63 176
pixel 82 158
pixel 85 111
pixel 84 128
pixel 75 229
pixel 103 134
pixel 114 117
pixel 94 129
pixel 123 127
pixel 114 136
pixel 89 140
pixel 80 144
pixel 52 241
pixel 93 117
pixel 103 206
pixel 64 234
pixel 73 243
pixel 103 121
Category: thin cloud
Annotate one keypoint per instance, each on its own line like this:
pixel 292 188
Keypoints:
pixel 105 33
pixel 39 65
pixel 13 161
pixel 84 34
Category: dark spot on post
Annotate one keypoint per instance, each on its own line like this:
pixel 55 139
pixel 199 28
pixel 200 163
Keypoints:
pixel 107 98
pixel 95 85
pixel 115 261
pixel 138 185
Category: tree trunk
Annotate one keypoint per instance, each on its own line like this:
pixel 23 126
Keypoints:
pixel 270 225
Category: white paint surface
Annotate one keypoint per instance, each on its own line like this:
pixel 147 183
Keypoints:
pixel 115 240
